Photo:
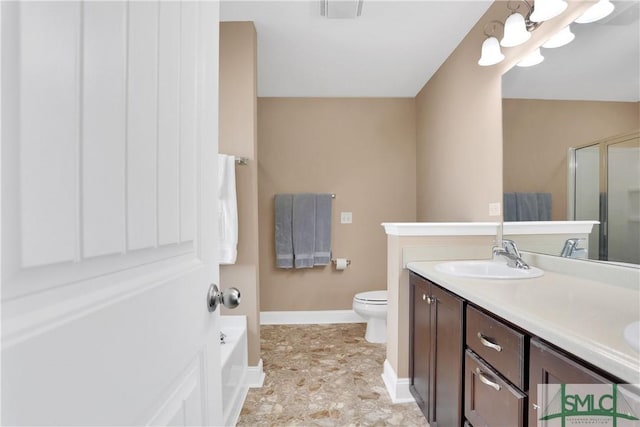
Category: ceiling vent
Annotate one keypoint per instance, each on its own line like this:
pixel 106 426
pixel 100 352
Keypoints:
pixel 341 9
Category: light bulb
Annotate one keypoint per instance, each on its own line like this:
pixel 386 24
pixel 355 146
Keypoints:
pixel 543 10
pixel 515 31
pixel 561 38
pixel 491 53
pixel 534 58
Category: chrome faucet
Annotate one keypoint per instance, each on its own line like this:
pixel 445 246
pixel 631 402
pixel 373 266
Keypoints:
pixel 510 251
pixel 571 249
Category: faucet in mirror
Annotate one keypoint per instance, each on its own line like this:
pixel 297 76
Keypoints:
pixel 571 146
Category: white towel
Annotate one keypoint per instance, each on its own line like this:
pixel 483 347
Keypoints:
pixel 227 209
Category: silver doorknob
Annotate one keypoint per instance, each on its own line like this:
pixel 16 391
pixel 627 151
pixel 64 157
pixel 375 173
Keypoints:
pixel 230 298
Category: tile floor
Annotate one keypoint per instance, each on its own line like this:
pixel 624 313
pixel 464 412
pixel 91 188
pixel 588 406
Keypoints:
pixel 323 375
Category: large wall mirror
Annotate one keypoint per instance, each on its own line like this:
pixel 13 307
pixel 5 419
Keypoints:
pixel 570 135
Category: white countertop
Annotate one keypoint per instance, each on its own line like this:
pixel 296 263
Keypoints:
pixel 584 317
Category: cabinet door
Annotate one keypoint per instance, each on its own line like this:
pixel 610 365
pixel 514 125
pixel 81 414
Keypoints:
pixel 420 343
pixel 446 314
pixel 547 366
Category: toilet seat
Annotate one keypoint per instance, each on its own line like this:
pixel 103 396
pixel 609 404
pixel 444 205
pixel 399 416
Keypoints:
pixel 372 297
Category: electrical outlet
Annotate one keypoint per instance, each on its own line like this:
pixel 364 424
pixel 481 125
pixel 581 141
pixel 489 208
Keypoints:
pixel 494 209
pixel 346 217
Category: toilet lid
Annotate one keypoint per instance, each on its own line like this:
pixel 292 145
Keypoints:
pixel 372 297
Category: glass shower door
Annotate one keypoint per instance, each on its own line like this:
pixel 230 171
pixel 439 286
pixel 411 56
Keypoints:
pixel 587 196
pixel 623 211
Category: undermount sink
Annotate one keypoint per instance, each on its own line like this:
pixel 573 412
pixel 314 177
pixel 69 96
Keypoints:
pixel 632 335
pixel 487 269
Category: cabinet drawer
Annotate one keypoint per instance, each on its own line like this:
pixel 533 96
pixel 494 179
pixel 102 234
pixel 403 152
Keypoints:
pixel 489 399
pixel 498 344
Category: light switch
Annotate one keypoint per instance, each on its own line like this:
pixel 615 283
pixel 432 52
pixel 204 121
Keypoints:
pixel 346 218
pixel 494 209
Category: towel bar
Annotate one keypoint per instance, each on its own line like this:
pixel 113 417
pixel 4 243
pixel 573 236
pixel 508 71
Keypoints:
pixel 333 195
pixel 242 161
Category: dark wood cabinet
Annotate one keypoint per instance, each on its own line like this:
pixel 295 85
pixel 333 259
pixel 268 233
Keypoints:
pixel 549 366
pixel 436 352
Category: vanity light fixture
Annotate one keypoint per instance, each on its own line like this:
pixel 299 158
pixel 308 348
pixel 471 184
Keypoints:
pixel 518 28
pixel 534 58
pixel 491 53
pixel 596 12
pixel 547 9
pixel 561 38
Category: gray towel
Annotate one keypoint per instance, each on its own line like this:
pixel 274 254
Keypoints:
pixel 510 210
pixel 544 206
pixel 304 229
pixel 322 254
pixel 283 237
pixel 527 206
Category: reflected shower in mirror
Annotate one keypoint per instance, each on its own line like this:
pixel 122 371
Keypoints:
pixel 570 134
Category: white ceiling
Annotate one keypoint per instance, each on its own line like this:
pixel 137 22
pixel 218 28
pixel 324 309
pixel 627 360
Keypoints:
pixel 391 50
pixel 601 64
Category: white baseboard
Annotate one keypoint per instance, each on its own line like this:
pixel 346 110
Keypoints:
pixel 309 317
pixel 398 388
pixel 255 376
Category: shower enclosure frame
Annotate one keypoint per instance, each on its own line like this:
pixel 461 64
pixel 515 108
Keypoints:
pixel 603 179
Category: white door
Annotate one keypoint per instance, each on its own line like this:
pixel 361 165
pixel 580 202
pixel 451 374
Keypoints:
pixel 109 142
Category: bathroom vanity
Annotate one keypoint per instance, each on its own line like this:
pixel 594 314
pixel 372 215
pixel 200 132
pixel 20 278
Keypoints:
pixel 480 348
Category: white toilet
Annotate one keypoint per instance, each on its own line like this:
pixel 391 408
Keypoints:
pixel 372 306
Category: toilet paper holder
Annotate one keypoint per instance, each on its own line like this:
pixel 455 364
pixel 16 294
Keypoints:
pixel 335 261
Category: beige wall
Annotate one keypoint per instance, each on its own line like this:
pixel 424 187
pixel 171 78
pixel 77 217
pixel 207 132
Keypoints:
pixel 363 150
pixel 538 134
pixel 459 144
pixel 238 136
pixel 459 126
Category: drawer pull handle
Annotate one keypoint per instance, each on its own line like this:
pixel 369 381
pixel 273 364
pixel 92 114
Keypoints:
pixel 485 342
pixel 487 381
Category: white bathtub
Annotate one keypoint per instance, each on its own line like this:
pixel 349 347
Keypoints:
pixel 234 358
